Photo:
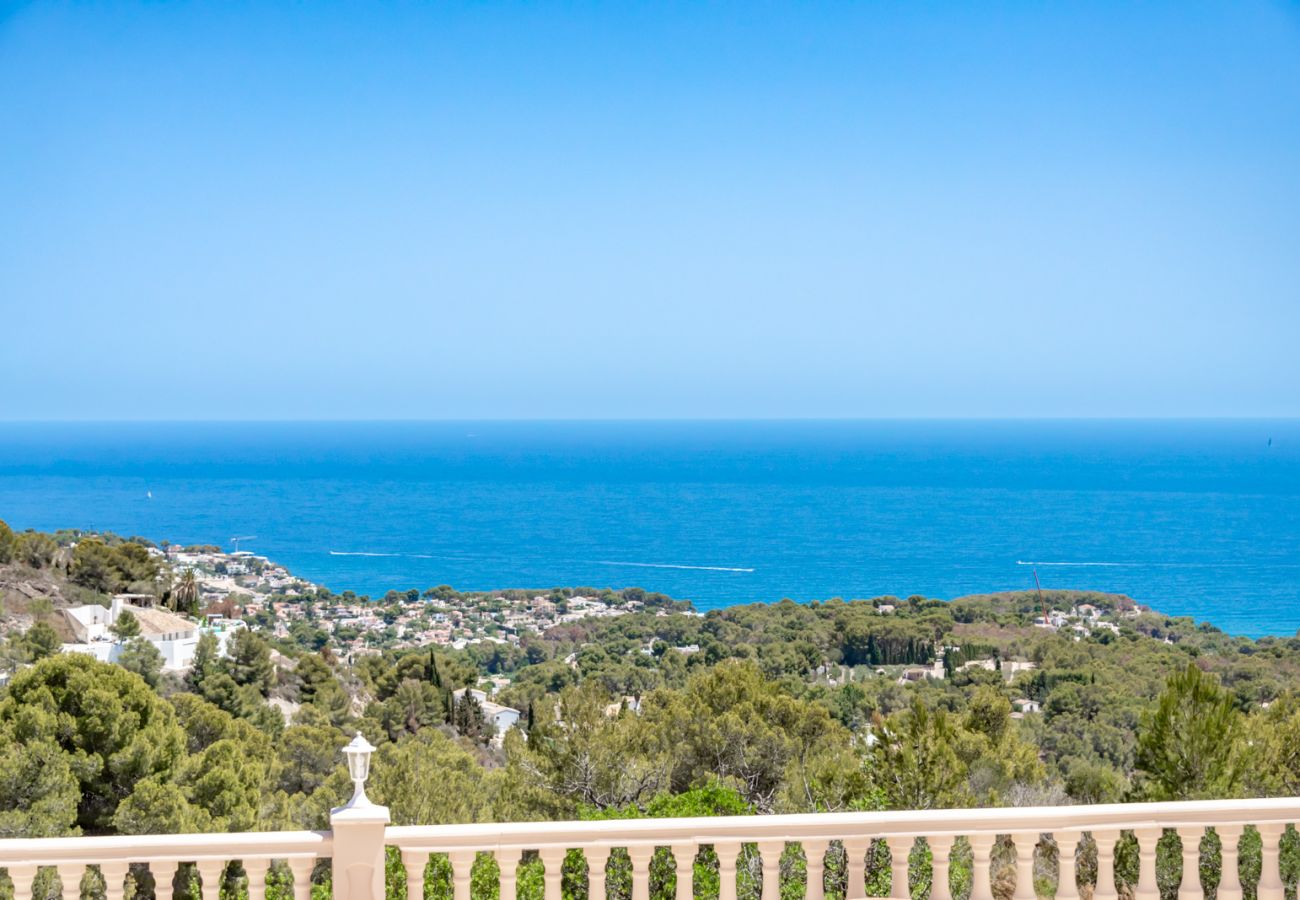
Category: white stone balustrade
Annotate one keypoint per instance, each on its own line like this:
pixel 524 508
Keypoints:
pixel 360 833
pixel 856 832
pixel 210 854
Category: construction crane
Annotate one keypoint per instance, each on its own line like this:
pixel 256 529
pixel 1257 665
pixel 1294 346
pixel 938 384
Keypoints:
pixel 1046 621
pixel 242 537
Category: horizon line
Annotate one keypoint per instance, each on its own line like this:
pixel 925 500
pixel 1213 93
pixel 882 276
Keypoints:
pixel 646 419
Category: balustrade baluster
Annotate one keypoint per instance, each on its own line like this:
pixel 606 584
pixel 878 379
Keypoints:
pixel 115 879
pixel 1105 889
pixel 164 879
pixel 70 875
pixel 553 865
pixel 900 848
pixel 462 867
pixel 641 856
pixel 256 870
pixel 1024 845
pixel 597 858
pixel 1230 877
pixel 1189 888
pixel 1146 887
pixel 1270 874
pixel 728 852
pixel 507 873
pixel 856 851
pixel 301 868
pixel 210 871
pixel 1067 877
pixel 940 867
pixel 684 866
pixel 22 876
pixel 981 885
pixel 770 854
pixel 815 854
pixel 415 862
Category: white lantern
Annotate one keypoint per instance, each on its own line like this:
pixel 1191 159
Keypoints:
pixel 358 755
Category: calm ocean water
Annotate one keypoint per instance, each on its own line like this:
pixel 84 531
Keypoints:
pixel 1194 518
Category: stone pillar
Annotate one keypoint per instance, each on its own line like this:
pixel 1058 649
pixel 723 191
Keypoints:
pixel 359 850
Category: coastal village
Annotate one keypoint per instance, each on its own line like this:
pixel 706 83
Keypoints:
pixel 241 590
pixel 246 586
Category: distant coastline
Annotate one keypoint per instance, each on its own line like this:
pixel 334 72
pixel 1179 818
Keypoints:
pixel 46 573
pixel 1197 519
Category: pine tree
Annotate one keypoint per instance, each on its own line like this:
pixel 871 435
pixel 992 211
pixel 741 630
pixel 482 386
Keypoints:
pixel 470 721
pixel 1189 748
pixel 126 626
pixel 250 661
pixel 205 662
pixel 434 677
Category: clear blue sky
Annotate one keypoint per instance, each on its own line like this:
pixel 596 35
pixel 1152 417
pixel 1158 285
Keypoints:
pixel 625 210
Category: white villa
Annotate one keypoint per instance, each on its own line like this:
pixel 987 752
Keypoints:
pixel 176 637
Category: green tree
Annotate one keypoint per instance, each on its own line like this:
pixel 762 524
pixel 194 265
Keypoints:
pixel 308 754
pixel 311 672
pixel 222 692
pixel 989 713
pixel 427 779
pixel 185 595
pixel 41 641
pixel 415 705
pixel 1188 747
pixel 250 661
pixel 207 662
pixel 156 806
pixel 9 544
pixel 916 761
pixel 332 702
pixel 143 658
pixel 36 550
pixel 575 756
pixel 469 720
pixel 112 728
pixel 39 793
pixel 733 723
pixel 1094 782
pixel 1273 749
pixel 226 781
pixel 137 570
pixel 92 567
pixel 204 723
pixel 125 626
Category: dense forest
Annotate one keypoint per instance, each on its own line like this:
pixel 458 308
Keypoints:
pixel 781 707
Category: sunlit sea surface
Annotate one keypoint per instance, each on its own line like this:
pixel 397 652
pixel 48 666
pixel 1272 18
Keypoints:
pixel 1196 518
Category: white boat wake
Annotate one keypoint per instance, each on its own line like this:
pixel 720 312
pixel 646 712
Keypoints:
pixel 598 562
pixel 1122 565
pixel 641 565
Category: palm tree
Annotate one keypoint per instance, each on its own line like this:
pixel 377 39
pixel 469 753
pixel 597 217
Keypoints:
pixel 185 596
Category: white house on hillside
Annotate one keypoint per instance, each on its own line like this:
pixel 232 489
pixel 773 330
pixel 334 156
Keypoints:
pixel 176 637
pixel 503 718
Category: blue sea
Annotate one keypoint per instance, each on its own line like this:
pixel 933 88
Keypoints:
pixel 1195 518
